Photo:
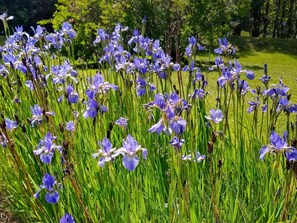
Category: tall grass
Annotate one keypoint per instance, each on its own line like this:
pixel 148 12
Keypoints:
pixel 230 184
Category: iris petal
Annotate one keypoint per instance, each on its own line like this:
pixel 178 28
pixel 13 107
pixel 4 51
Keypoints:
pixel 130 163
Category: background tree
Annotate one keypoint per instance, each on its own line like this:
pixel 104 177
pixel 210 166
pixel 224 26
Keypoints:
pixel 28 12
pixel 167 20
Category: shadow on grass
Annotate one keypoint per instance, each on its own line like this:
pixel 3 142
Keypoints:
pixel 248 45
pixel 253 67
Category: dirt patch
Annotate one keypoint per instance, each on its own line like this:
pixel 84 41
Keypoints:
pixel 5 215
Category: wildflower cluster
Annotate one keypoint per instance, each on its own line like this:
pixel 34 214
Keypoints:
pixel 279 145
pixel 171 108
pixel 128 150
pixel 49 184
pixel 46 148
pixel 97 87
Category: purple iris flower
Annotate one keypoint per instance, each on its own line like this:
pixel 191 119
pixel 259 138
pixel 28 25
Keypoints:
pixel 277 90
pixel 225 77
pixel 198 93
pixel 29 84
pixel 68 30
pixel 200 47
pixel 192 40
pixel 225 47
pixel 176 67
pixel 291 154
pixel 106 153
pixel 192 66
pixel 122 122
pixel 37 113
pixel 102 109
pixel 243 86
pixel 197 158
pixel 198 76
pixel 5 17
pixel 60 99
pixel 101 36
pixel 142 85
pixel 192 44
pixel 67 218
pixel 219 61
pixel 158 127
pixel 152 87
pixel 231 73
pixel 46 148
pixel 218 51
pixel 237 70
pixel 11 60
pixel 38 32
pixel 70 126
pixel 237 67
pixel 30 47
pixel 55 39
pixel 10 124
pixel 3 140
pixel 98 85
pixel 62 72
pixel 19 31
pixel 172 98
pixel 249 74
pixel 171 106
pixel 156 44
pixel 178 125
pixel 141 65
pixel 215 115
pixel 3 71
pixel 121 63
pixel 265 79
pixel 92 109
pixel 158 54
pixel 253 106
pixel 72 95
pixel 277 145
pixel 177 143
pixel 49 182
pixel 281 89
pixel 283 103
pixel 159 101
pixel 129 150
pixel 188 50
pixel 293 108
pixel 264 108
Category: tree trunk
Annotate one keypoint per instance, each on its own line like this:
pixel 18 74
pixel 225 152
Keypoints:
pixel 276 19
pixel 290 28
pixel 266 18
pixel 256 16
pixel 295 21
pixel 283 20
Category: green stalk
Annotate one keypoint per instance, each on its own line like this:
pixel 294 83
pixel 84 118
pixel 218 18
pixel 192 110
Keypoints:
pixel 288 192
